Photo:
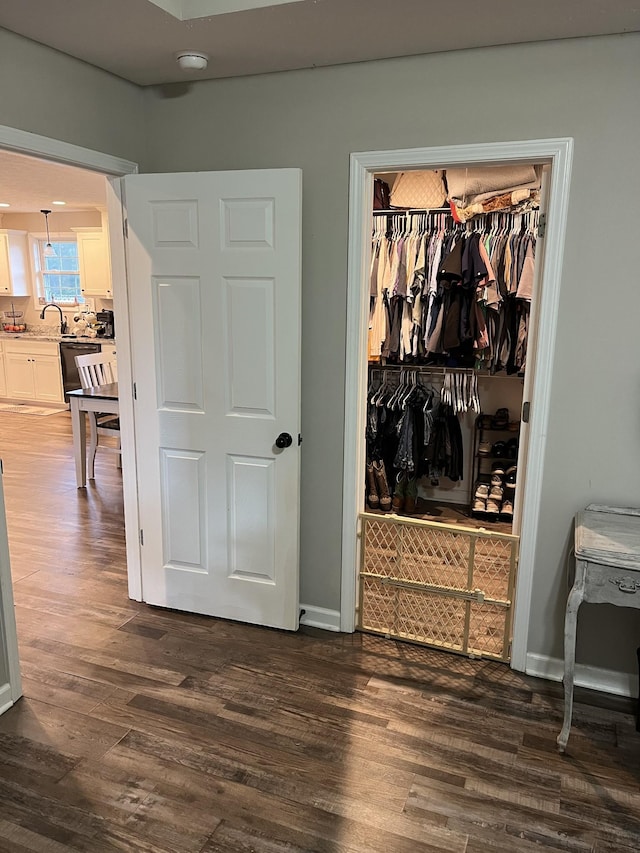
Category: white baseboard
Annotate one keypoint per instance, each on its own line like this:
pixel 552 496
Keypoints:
pixel 320 617
pixel 6 700
pixel 593 677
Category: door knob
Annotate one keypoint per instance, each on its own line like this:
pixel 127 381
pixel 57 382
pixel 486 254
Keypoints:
pixel 284 440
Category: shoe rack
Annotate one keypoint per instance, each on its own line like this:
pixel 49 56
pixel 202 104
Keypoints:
pixel 495 454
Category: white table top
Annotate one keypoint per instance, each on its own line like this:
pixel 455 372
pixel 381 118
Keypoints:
pixel 609 536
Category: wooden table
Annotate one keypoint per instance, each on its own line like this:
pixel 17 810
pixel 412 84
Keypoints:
pixel 607 551
pixel 101 398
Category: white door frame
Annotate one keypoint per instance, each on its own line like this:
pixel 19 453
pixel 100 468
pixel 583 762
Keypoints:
pixel 46 148
pixel 11 692
pixel 557 152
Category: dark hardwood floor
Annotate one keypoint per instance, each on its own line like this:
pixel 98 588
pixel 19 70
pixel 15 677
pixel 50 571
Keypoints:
pixel 147 730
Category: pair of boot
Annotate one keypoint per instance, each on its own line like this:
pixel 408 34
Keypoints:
pixel 405 494
pixel 378 494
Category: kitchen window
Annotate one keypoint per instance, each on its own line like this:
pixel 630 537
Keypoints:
pixel 59 272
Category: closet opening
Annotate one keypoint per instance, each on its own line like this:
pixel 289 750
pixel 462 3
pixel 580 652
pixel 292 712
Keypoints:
pixel 452 274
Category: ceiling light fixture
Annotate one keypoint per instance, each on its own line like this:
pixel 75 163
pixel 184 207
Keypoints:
pixel 49 251
pixel 58 202
pixel 192 60
pixel 4 204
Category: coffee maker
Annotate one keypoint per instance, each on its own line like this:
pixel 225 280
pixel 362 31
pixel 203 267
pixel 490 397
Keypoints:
pixel 105 319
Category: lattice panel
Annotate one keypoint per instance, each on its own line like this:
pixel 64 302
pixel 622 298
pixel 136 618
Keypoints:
pixel 437 585
pixel 381 555
pixel 379 605
pixel 441 558
pixel 492 567
pixel 432 619
pixel 487 629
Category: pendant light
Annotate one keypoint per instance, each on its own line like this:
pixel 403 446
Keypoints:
pixel 49 251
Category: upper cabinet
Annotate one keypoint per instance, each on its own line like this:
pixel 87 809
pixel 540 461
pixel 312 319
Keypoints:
pixel 95 266
pixel 14 263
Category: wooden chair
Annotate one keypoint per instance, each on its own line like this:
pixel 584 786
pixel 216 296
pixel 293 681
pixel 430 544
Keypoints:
pixel 99 369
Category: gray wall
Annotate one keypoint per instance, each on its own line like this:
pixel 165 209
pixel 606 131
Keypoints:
pixel 46 92
pixel 586 89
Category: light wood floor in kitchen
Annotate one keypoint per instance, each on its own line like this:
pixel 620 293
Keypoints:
pixel 146 730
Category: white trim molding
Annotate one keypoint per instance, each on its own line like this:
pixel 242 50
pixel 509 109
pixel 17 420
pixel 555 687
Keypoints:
pixel 119 279
pixel 9 692
pixel 557 153
pixel 320 617
pixel 593 677
pixel 47 148
pixel 6 699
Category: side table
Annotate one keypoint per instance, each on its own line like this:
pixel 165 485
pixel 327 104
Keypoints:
pixel 607 552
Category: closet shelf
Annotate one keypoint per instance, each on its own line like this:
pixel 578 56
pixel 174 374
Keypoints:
pixel 501 458
pixel 501 429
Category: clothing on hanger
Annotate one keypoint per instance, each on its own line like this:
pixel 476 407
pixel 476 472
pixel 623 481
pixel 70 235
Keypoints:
pixel 454 294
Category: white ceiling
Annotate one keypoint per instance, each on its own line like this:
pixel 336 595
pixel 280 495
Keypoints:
pixel 31 185
pixel 137 39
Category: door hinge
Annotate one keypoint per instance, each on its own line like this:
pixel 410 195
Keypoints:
pixel 299 439
pixel 141 536
pixel 526 411
pixel 1 467
pixel 125 228
pixel 135 391
pixel 542 224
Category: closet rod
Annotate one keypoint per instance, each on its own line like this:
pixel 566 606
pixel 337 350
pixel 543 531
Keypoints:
pixel 423 368
pixel 440 371
pixel 399 212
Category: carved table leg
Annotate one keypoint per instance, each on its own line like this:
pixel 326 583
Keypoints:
pixel 576 597
pixel 638 705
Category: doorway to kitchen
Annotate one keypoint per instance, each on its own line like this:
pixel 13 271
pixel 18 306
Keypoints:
pixel 52 523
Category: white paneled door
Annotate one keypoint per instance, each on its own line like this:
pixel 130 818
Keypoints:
pixel 214 296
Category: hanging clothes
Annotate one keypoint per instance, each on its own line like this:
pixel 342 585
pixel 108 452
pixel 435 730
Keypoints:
pixel 413 425
pixel 449 293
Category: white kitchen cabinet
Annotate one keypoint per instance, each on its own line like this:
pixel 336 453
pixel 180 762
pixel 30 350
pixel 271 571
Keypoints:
pixel 109 349
pixel 95 266
pixel 32 371
pixel 3 381
pixel 47 378
pixel 14 263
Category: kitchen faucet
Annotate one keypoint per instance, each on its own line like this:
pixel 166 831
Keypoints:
pixel 63 322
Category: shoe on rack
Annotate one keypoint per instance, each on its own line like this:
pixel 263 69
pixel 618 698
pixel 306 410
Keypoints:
pixel 510 477
pixel 399 492
pixel 513 426
pixel 382 485
pixel 512 448
pixel 496 479
pixel 499 449
pixel 483 421
pixel 507 509
pixel 497 468
pixel 373 499
pixel 482 491
pixel 496 493
pixel 479 505
pixel 501 419
pixel 484 448
pixel 493 506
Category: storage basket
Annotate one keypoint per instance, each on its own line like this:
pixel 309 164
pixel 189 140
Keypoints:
pixel 12 321
pixel 441 585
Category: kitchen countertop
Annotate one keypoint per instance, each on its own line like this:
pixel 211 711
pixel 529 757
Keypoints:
pixel 34 336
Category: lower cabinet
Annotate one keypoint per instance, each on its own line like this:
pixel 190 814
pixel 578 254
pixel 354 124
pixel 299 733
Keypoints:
pixel 32 372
